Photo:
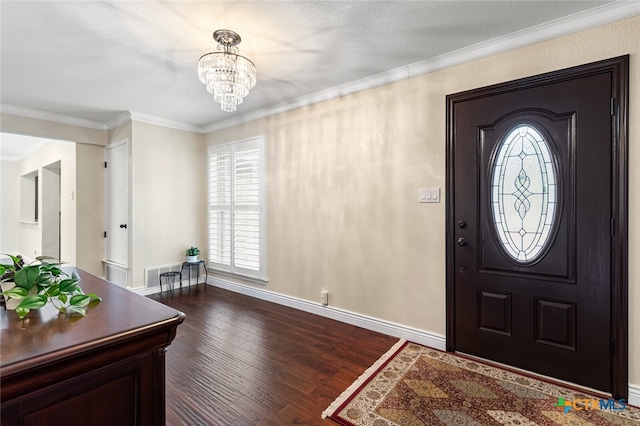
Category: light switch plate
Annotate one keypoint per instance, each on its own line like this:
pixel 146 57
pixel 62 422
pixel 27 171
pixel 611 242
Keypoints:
pixel 429 195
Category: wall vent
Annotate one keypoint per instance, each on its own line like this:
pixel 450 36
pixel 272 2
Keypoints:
pixel 117 275
pixel 152 273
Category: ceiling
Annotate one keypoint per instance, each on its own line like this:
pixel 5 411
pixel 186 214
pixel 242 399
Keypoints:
pixel 94 60
pixel 16 147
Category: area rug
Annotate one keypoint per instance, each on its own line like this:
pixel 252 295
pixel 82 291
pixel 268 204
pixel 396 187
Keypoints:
pixel 415 385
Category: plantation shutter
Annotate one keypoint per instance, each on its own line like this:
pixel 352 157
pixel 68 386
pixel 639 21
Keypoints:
pixel 236 214
pixel 220 209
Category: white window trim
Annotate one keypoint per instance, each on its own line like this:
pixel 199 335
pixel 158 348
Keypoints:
pixel 231 147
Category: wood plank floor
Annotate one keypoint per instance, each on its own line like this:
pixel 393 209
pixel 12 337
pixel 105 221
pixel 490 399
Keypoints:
pixel 237 360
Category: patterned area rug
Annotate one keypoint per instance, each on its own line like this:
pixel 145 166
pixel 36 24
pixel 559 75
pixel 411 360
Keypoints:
pixel 414 385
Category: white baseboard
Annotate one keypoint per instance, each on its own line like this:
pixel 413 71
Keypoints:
pixel 634 395
pixel 145 291
pixel 425 338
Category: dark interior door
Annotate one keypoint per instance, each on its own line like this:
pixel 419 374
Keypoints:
pixel 530 266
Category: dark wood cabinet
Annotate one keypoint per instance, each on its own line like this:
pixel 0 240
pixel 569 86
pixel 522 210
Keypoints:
pixel 107 368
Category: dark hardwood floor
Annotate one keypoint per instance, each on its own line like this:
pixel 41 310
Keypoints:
pixel 237 360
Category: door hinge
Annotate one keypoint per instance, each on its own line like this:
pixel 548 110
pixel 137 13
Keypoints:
pixel 613 106
pixel 105 164
pixel 105 234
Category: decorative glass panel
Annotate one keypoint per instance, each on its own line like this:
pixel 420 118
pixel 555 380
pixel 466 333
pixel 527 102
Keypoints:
pixel 524 194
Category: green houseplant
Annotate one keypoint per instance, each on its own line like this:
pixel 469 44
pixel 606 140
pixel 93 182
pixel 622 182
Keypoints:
pixel 192 254
pixel 41 282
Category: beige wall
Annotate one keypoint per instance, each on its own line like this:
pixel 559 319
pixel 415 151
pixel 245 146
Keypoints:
pixel 82 204
pixel 10 207
pixel 89 192
pixel 30 234
pixel 168 171
pixel 168 196
pixel 120 133
pixel 343 179
pixel 89 197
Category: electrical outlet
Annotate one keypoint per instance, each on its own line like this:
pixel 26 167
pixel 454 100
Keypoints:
pixel 324 297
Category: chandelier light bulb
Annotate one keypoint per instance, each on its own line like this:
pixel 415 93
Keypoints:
pixel 227 75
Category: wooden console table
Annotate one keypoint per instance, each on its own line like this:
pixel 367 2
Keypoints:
pixel 107 368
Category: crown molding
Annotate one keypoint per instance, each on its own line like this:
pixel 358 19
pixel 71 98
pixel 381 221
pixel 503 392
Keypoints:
pixel 145 118
pixel 120 119
pixel 601 15
pixel 582 21
pixel 125 116
pixel 49 116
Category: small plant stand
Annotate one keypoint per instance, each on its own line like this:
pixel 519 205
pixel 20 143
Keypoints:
pixel 169 279
pixel 196 266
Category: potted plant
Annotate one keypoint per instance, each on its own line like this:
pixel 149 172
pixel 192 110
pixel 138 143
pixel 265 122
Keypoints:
pixel 192 254
pixel 32 286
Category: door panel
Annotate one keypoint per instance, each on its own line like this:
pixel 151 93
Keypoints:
pixel 556 260
pixel 117 247
pixel 530 256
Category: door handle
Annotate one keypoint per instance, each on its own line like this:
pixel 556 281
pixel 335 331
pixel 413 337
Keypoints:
pixel 124 226
pixel 462 242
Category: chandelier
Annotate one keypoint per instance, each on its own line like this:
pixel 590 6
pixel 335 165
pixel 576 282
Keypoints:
pixel 227 75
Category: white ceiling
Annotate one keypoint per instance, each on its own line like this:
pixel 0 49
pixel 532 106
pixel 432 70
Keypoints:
pixel 16 147
pixel 94 60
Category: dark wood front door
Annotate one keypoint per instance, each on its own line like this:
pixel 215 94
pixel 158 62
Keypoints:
pixel 534 195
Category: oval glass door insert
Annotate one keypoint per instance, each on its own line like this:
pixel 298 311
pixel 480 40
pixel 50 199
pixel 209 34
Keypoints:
pixel 524 194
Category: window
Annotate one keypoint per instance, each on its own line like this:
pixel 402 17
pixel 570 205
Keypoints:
pixel 524 194
pixel 237 225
